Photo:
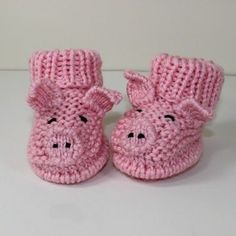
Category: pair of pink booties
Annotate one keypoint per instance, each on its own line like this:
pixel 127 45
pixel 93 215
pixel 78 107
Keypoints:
pixel 159 137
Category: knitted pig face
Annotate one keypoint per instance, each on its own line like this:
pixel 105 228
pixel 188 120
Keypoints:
pixel 156 134
pixel 67 137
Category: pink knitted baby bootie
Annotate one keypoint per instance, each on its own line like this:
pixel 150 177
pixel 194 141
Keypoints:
pixel 67 144
pixel 161 136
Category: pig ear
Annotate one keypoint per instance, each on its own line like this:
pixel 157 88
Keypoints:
pixel 44 95
pixel 102 98
pixel 194 110
pixel 140 89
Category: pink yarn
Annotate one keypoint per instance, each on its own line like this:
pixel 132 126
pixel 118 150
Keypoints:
pixel 67 144
pixel 67 68
pixel 161 136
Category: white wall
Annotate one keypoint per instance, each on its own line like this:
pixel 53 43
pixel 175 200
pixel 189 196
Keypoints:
pixel 126 33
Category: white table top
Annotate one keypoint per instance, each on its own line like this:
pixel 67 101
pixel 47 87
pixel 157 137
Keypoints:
pixel 201 201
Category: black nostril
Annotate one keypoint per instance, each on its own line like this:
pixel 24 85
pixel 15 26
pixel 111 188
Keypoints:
pixel 68 145
pixel 130 135
pixel 140 135
pixel 55 145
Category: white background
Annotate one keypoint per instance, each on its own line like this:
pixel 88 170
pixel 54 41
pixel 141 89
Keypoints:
pixel 127 33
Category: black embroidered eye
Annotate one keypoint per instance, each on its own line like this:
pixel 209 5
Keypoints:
pixel 52 120
pixel 170 117
pixel 139 110
pixel 83 119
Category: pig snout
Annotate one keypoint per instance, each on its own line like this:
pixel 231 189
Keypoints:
pixel 62 142
pixel 140 135
pixel 63 145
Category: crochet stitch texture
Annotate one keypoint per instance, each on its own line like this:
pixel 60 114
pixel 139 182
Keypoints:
pixel 161 135
pixel 67 144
